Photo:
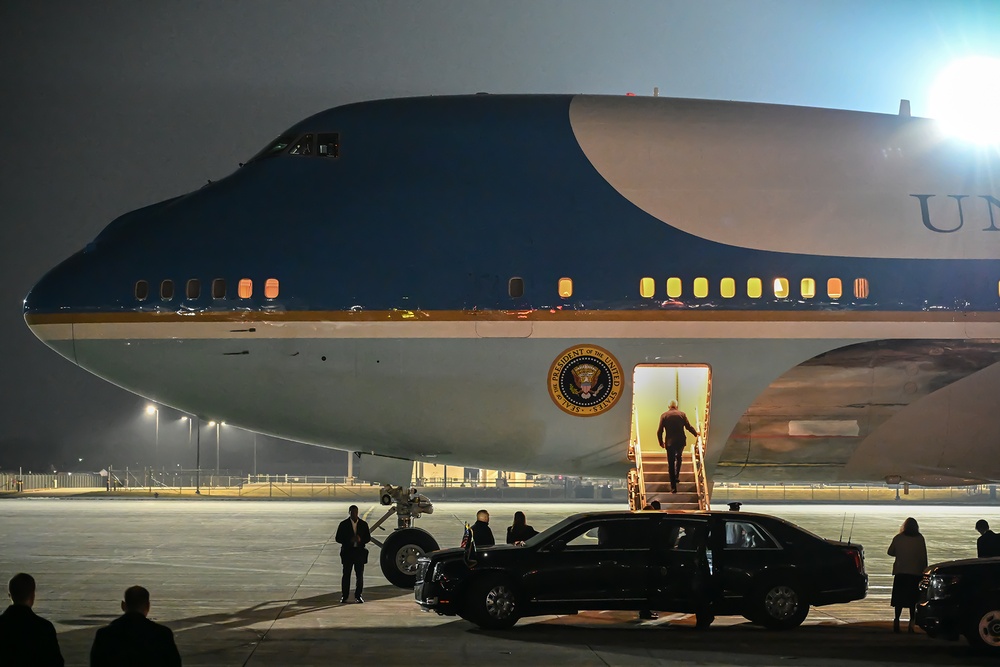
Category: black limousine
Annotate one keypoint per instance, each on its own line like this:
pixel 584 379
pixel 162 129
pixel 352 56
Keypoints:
pixel 706 563
pixel 962 597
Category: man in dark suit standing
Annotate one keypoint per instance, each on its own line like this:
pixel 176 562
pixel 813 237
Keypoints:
pixel 988 544
pixel 481 531
pixel 25 637
pixel 133 639
pixel 353 535
pixel 673 422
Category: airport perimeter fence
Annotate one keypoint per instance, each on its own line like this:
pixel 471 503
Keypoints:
pixel 16 482
pixel 230 483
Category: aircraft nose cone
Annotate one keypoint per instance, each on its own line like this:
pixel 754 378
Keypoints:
pixel 48 309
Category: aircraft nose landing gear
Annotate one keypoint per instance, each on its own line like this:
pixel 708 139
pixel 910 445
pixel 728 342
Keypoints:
pixel 405 544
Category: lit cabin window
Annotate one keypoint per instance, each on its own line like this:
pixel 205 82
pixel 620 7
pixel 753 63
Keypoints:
pixel 727 288
pixel 303 146
pixel 193 289
pixel 834 288
pixel 673 287
pixel 167 290
pixel 219 288
pixel 328 145
pixel 271 288
pixel 861 288
pixel 565 287
pixel 515 288
pixel 141 290
pixel 647 287
pixel 754 288
pixel 700 288
pixel 245 288
pixel 807 287
pixel 781 288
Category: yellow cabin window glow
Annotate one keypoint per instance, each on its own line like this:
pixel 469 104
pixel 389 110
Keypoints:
pixel 700 288
pixel 646 288
pixel 245 288
pixel 861 288
pixel 565 287
pixel 271 288
pixel 781 288
pixel 808 288
pixel 673 287
pixel 834 288
pixel 727 288
pixel 754 288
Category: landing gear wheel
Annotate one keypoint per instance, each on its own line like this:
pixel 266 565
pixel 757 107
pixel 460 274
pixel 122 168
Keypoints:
pixel 491 603
pixel 780 605
pixel 400 552
pixel 982 629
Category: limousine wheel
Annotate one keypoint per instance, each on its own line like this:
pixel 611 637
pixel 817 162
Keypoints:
pixel 491 603
pixel 983 630
pixel 781 605
pixel 400 552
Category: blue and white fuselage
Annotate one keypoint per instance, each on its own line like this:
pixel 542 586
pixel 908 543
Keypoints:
pixel 391 277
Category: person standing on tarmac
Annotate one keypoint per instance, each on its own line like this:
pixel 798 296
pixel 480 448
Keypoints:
pixel 988 544
pixel 910 552
pixel 352 535
pixel 520 532
pixel 481 532
pixel 25 637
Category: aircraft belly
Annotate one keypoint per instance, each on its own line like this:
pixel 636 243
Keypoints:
pixel 464 401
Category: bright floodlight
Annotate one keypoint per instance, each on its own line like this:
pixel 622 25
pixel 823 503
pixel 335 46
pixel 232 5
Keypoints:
pixel 150 409
pixel 965 98
pixel 210 424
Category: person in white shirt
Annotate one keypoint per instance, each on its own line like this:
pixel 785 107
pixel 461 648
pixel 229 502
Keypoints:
pixel 910 552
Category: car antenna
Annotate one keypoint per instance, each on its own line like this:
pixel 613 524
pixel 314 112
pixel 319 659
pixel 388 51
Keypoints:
pixel 841 538
pixel 852 527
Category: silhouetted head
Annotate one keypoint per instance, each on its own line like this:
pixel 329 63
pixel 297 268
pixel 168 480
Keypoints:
pixel 21 589
pixel 655 504
pixel 520 519
pixel 910 527
pixel 982 526
pixel 483 515
pixel 353 509
pixel 673 405
pixel 136 600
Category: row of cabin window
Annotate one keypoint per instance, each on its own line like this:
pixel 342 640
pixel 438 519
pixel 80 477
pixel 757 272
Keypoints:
pixel 244 289
pixel 727 288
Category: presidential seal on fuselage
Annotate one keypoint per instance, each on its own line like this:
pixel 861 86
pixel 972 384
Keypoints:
pixel 585 380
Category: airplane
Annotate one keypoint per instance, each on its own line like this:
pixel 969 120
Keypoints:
pixel 484 279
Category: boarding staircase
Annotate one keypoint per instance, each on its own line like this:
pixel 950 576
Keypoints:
pixel 650 479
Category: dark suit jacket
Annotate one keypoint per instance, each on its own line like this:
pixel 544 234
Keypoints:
pixel 132 639
pixel 27 639
pixel 672 425
pixel 482 534
pixel 345 532
pixel 988 545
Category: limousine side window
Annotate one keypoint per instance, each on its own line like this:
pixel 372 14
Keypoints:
pixel 682 534
pixel 628 534
pixel 745 535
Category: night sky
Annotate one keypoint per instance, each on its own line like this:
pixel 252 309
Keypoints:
pixel 110 106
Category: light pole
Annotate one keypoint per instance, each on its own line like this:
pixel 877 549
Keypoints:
pixel 197 462
pixel 255 453
pixel 151 410
pixel 216 425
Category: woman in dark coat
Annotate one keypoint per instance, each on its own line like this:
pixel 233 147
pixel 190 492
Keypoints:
pixel 910 552
pixel 520 531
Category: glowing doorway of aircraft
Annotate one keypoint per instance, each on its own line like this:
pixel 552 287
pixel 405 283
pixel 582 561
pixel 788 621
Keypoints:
pixel 655 385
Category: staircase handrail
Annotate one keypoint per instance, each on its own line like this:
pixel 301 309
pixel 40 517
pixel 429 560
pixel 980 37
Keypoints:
pixel 700 477
pixel 638 463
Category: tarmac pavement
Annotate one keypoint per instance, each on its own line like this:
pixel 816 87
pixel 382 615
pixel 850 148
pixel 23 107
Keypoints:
pixel 258 583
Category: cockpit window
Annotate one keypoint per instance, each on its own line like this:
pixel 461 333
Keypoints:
pixel 275 147
pixel 328 145
pixel 303 146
